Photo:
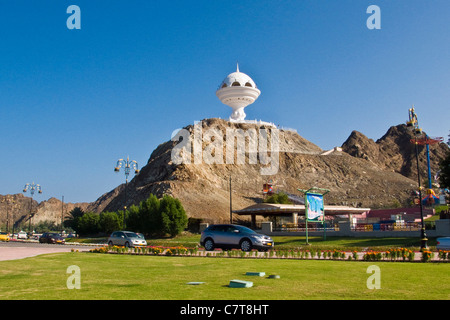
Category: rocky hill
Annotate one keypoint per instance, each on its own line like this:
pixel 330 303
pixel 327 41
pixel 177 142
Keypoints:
pixel 17 207
pixel 363 175
pixel 394 151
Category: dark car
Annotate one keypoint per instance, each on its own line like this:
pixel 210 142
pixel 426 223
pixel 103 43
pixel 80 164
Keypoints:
pixel 227 236
pixel 50 237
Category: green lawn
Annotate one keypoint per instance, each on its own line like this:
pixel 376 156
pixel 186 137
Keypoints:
pixel 109 276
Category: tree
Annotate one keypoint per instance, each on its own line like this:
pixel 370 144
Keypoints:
pixel 281 198
pixel 173 216
pixel 145 217
pixel 88 224
pixel 149 215
pixel 46 226
pixel 133 219
pixel 109 222
pixel 157 217
pixel 72 220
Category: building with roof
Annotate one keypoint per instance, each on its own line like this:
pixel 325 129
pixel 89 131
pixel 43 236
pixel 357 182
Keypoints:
pixel 291 212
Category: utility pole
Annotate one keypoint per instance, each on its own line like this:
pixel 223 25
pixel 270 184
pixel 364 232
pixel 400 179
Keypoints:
pixel 231 204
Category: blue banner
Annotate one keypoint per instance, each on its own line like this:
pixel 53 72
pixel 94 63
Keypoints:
pixel 314 207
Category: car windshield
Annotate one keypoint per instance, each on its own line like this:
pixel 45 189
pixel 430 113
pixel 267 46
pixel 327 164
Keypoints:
pixel 132 235
pixel 245 229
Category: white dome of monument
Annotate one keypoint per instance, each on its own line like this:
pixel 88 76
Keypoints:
pixel 237 79
pixel 238 90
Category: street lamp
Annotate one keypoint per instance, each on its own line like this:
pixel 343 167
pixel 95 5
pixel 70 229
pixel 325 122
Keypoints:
pixel 413 125
pixel 127 165
pixel 32 187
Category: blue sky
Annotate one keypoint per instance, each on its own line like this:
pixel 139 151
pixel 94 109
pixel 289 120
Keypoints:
pixel 72 102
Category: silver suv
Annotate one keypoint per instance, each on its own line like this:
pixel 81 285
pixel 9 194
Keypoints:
pixel 127 239
pixel 228 236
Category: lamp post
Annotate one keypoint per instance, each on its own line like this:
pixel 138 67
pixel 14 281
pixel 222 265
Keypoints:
pixel 62 216
pixel 413 124
pixel 127 165
pixel 32 187
pixel 231 204
pixel 13 207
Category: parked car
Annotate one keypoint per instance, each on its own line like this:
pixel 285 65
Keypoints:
pixel 22 235
pixel 127 239
pixel 50 237
pixel 227 236
pixel 4 236
pixel 443 243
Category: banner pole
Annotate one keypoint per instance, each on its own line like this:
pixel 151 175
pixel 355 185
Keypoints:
pixel 306 229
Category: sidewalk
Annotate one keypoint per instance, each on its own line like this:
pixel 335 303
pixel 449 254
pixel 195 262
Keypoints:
pixel 14 253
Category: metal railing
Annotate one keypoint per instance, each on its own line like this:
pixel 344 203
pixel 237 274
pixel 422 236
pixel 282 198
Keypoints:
pixel 361 227
pixel 404 226
pixel 301 227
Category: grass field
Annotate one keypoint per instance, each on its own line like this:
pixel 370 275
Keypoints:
pixel 108 276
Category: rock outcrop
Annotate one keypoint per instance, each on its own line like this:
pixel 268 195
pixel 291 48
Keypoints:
pixel 395 151
pixel 17 208
pixel 362 173
pixel 354 177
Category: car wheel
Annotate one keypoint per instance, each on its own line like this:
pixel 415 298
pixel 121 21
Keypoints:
pixel 127 244
pixel 246 245
pixel 209 245
pixel 110 243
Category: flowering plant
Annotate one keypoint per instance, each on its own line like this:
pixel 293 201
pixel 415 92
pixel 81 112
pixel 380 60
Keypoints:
pixel 426 255
pixel 443 254
pixel 155 250
pixel 372 256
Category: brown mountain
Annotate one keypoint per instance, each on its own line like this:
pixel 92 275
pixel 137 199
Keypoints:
pixel 18 207
pixel 395 151
pixel 354 177
pixel 367 173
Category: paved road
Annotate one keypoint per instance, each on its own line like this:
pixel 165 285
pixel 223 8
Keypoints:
pixel 18 250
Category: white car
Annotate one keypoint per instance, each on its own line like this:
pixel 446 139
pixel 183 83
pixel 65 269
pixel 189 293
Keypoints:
pixel 22 235
pixel 127 239
pixel 443 243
